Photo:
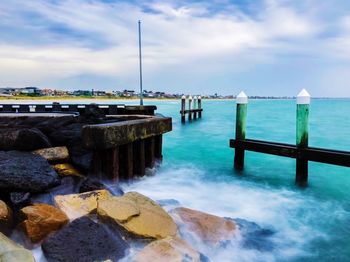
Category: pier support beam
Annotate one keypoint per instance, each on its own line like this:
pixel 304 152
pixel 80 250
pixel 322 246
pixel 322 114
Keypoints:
pixel 200 106
pixel 183 108
pixel 241 119
pixel 302 136
pixel 190 108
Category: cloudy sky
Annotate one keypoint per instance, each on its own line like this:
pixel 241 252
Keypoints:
pixel 265 47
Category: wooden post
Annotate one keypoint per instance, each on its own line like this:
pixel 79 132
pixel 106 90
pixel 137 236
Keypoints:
pixel 139 157
pixel 158 147
pixel 183 108
pixel 195 107
pixel 241 119
pixel 200 106
pixel 149 152
pixel 190 108
pixel 302 136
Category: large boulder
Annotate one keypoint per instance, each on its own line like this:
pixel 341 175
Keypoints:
pixel 41 220
pixel 25 139
pixel 84 240
pixel 6 219
pixel 66 169
pixel 171 249
pixel 53 154
pixel 10 251
pixel 77 205
pixel 138 215
pixel 23 171
pixel 208 228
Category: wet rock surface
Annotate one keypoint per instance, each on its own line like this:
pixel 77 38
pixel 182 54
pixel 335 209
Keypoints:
pixel 138 215
pixel 209 228
pixel 67 169
pixel 23 171
pixel 6 218
pixel 91 184
pixel 10 251
pixel 171 249
pixel 24 139
pixel 84 240
pixel 254 236
pixel 41 220
pixel 77 205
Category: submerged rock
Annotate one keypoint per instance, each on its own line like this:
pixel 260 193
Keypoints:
pixel 6 219
pixel 41 220
pixel 77 205
pixel 10 251
pixel 171 249
pixel 23 171
pixel 84 240
pixel 255 237
pixel 25 139
pixel 67 170
pixel 208 228
pixel 138 215
pixel 53 154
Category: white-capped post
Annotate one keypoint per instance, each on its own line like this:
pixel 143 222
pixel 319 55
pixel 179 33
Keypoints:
pixel 183 108
pixel 302 135
pixel 190 108
pixel 241 119
pixel 195 104
pixel 200 106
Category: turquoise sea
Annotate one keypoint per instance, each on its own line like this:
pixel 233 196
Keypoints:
pixel 311 224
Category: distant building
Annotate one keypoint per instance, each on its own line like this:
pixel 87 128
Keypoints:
pixel 82 93
pixel 31 90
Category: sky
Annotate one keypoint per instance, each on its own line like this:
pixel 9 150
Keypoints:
pixel 264 47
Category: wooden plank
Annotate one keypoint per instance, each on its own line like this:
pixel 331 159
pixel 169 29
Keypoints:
pixel 327 156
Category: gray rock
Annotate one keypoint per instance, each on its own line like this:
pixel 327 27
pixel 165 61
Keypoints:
pixel 23 171
pixel 25 139
pixel 84 240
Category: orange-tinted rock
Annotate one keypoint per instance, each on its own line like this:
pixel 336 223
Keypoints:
pixel 139 215
pixel 66 170
pixel 78 205
pixel 170 249
pixel 6 219
pixel 41 220
pixel 209 228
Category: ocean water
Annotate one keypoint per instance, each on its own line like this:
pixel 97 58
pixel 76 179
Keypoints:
pixel 310 224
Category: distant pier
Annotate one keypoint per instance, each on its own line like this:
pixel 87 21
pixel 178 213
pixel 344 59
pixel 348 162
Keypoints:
pixel 193 111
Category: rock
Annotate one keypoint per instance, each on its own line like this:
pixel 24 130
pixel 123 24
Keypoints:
pixel 255 237
pixel 77 205
pixel 20 199
pixel 6 219
pixel 41 220
pixel 168 202
pixel 67 170
pixel 168 249
pixel 138 215
pixel 10 251
pixel 23 139
pixel 84 240
pixel 209 228
pixel 53 154
pixel 90 184
pixel 23 171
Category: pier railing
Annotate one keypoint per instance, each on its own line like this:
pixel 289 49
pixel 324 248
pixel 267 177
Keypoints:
pixel 300 151
pixel 193 110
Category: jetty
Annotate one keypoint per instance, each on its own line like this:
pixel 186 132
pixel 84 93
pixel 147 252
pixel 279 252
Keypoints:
pixel 300 151
pixel 193 111
pixel 112 142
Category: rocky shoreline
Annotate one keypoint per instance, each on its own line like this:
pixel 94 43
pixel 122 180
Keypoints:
pixel 49 201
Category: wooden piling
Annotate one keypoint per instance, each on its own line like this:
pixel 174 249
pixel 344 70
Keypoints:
pixel 149 152
pixel 183 108
pixel 302 136
pixel 158 140
pixel 139 157
pixel 200 106
pixel 241 117
pixel 190 108
pixel 195 107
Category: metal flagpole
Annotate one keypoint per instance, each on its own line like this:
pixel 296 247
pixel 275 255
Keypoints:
pixel 140 59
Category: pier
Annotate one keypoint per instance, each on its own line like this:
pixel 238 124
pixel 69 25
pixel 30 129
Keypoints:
pixel 120 142
pixel 194 110
pixel 300 151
